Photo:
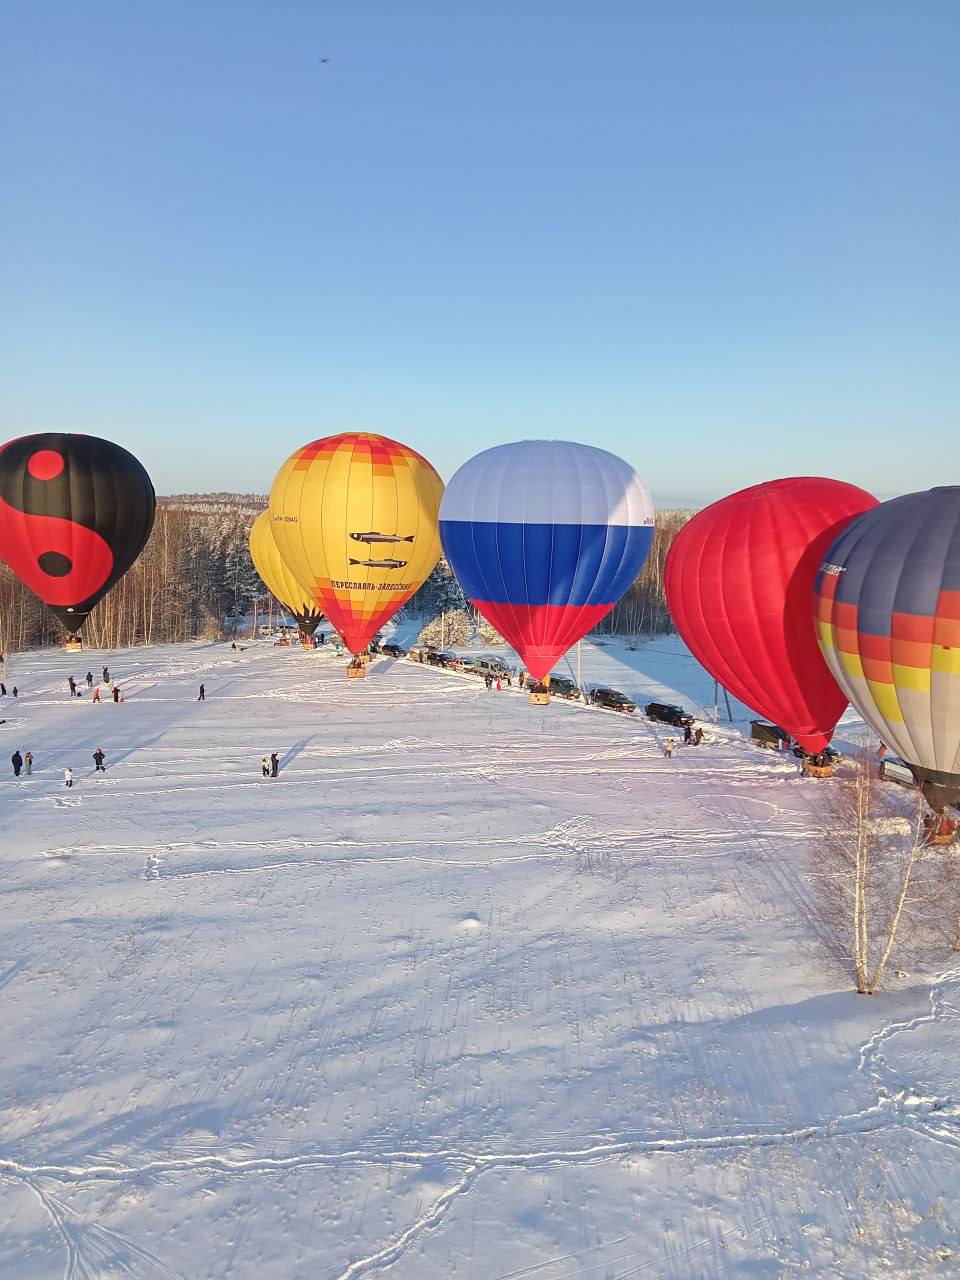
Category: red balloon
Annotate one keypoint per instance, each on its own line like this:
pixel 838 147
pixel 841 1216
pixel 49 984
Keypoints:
pixel 740 577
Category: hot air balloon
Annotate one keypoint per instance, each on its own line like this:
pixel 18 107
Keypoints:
pixel 355 518
pixel 75 512
pixel 278 579
pixel 544 537
pixel 738 582
pixel 888 609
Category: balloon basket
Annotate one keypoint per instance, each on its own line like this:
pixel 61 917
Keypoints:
pixel 73 646
pixel 308 642
pixel 939 830
pixel 820 770
pixel 540 698
pixel 356 673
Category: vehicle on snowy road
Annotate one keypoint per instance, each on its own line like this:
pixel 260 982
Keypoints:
pixel 564 688
pixel 613 700
pixel 667 713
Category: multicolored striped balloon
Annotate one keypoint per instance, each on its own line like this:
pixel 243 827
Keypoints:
pixel 545 536
pixel 888 614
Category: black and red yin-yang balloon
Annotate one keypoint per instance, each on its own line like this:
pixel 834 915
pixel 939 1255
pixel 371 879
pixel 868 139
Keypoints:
pixel 75 512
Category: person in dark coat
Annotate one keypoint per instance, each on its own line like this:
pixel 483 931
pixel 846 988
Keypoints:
pixel 3 689
pixel 687 735
pixel 274 764
pixel 203 694
pixel 106 675
pixel 98 761
pixel 17 761
pixel 116 693
pixel 16 692
pixel 698 737
pixel 72 684
pixel 89 679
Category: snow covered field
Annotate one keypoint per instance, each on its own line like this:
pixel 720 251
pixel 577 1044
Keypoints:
pixel 473 989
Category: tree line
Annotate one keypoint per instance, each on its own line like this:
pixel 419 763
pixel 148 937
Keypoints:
pixel 195 580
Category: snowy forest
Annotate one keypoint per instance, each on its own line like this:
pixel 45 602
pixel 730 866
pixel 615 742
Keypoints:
pixel 195 580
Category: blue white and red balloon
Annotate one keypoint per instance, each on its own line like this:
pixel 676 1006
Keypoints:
pixel 545 536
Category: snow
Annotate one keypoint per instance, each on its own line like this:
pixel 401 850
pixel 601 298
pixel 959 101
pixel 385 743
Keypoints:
pixel 473 989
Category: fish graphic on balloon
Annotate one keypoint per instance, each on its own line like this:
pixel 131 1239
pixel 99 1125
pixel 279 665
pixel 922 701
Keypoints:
pixel 382 537
pixel 75 512
pixel 380 564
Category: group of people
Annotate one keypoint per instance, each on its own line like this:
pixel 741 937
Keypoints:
pixel 3 690
pixel 77 692
pixel 24 764
pixel 496 681
pixel 270 768
pixel 691 737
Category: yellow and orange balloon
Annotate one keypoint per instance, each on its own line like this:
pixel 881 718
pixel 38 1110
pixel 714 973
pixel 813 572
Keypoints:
pixel 354 517
pixel 278 578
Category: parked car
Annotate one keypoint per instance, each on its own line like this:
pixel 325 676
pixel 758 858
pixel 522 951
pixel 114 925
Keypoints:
pixel 485 665
pixel 452 661
pixel 668 713
pixel 561 687
pixel 613 699
pixel 393 650
pixel 895 770
pixel 434 657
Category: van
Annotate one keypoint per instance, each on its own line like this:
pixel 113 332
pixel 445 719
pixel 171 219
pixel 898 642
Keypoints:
pixel 486 665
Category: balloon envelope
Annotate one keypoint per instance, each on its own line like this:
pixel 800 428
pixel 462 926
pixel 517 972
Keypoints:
pixel 355 518
pixel 75 512
pixel 278 579
pixel 888 611
pixel 544 537
pixel 738 581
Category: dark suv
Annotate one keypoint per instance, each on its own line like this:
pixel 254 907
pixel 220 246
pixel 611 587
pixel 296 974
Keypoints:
pixel 613 699
pixel 668 713
pixel 393 650
pixel 564 688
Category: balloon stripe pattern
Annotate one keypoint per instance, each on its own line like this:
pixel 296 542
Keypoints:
pixel 355 518
pixel 887 606
pixel 738 580
pixel 278 578
pixel 545 537
pixel 75 512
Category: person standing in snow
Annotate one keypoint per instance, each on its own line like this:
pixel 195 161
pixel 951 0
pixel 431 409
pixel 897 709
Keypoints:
pixel 499 685
pixel 17 761
pixel 203 695
pixel 89 679
pixel 72 685
pixel 668 748
pixel 96 694
pixel 3 689
pixel 68 777
pixel 16 692
pixel 106 675
pixel 698 736
pixel 687 735
pixel 116 693
pixel 98 760
pixel 264 767
pixel 28 763
pixel 274 764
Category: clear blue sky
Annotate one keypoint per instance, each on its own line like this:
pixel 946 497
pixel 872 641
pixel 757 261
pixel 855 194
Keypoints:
pixel 720 239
